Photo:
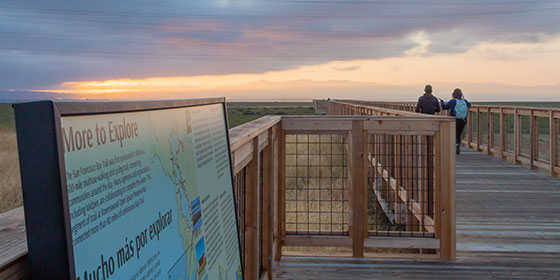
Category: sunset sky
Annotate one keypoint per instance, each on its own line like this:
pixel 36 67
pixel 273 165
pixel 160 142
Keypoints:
pixel 282 49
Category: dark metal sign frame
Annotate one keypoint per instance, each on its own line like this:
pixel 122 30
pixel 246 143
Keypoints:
pixel 43 178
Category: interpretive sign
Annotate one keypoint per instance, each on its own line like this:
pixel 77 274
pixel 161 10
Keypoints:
pixel 128 190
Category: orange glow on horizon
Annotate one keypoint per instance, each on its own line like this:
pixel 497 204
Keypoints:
pixel 520 64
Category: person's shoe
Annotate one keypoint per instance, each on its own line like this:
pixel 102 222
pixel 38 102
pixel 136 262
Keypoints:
pixel 458 150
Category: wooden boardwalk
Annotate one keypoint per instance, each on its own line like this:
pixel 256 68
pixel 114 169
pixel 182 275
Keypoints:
pixel 508 226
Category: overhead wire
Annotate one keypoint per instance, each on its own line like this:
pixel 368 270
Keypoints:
pixel 277 17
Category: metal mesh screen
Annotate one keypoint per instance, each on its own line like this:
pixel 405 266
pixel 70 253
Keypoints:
pixel 495 130
pixel 474 124
pixel 525 134
pixel 542 139
pixel 316 184
pixel 401 181
pixel 484 128
pixel 239 186
pixel 510 133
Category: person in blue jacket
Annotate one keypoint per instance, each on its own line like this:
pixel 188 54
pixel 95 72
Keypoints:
pixel 458 107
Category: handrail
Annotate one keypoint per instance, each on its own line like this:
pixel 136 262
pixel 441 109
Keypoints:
pixel 520 134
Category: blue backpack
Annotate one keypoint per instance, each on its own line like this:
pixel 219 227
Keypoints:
pixel 461 109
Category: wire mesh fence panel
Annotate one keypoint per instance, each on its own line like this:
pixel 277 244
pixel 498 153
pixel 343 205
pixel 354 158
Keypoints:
pixel 401 185
pixel 525 135
pixel 495 130
pixel 317 184
pixel 510 133
pixel 466 130
pixel 484 128
pixel 542 139
pixel 239 186
pixel 474 124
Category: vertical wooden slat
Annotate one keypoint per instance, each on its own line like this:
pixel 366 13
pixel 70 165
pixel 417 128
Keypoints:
pixel 251 214
pixel 447 194
pixel 503 133
pixel 356 186
pixel 490 129
pixel 281 190
pixel 275 205
pixel 532 139
pixel 365 174
pixel 516 136
pixel 268 184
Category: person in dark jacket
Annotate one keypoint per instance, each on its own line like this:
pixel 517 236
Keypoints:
pixel 427 103
pixel 458 108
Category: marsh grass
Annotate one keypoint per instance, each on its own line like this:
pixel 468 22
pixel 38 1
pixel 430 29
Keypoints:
pixel 240 114
pixel 10 182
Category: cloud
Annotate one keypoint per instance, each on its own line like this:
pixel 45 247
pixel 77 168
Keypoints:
pixel 347 68
pixel 49 42
pixel 423 43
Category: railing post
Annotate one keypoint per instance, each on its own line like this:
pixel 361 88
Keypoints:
pixel 516 136
pixel 447 192
pixel 251 214
pixel 490 128
pixel 357 187
pixel 532 140
pixel 503 133
pixel 281 190
pixel 552 144
pixel 268 198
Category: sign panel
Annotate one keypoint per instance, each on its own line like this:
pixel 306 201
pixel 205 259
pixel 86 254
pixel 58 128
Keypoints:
pixel 149 195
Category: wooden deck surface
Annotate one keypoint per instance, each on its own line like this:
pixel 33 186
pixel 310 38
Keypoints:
pixel 13 246
pixel 508 226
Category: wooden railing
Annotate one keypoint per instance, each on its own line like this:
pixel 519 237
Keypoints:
pixel 367 184
pixel 522 135
pixel 321 106
pixel 395 168
pixel 255 146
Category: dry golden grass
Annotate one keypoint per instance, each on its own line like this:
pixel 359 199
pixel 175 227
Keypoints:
pixel 10 183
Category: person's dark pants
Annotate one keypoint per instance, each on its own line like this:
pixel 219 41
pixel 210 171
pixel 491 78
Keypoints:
pixel 460 125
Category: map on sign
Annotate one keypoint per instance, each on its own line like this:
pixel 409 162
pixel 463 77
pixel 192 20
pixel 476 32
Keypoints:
pixel 150 195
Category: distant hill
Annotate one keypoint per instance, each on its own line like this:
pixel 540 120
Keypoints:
pixel 19 96
pixel 374 91
pixel 306 90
